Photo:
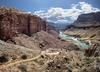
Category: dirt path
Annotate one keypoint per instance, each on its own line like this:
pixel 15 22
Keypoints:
pixel 27 60
pixel 20 61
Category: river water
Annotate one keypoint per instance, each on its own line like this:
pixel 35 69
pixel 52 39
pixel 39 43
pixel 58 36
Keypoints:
pixel 77 41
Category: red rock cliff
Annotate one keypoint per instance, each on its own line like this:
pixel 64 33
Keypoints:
pixel 12 23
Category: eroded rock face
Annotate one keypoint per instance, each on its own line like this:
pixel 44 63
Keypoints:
pixel 12 23
pixel 87 20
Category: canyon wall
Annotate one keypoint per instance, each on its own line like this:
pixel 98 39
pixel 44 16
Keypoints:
pixel 88 20
pixel 12 23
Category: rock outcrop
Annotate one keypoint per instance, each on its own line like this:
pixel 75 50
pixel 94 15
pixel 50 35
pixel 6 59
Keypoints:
pixel 86 26
pixel 12 23
pixel 88 20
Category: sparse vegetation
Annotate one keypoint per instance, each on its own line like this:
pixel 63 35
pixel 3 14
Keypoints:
pixel 3 59
pixel 24 57
pixel 87 60
pixel 23 68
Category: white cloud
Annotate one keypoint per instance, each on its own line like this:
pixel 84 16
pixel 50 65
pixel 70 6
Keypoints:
pixel 61 21
pixel 66 15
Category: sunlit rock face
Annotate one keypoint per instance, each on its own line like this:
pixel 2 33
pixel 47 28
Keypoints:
pixel 13 23
pixel 87 20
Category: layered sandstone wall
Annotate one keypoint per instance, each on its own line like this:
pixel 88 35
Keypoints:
pixel 12 23
pixel 88 20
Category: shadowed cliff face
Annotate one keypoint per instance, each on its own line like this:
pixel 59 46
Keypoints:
pixel 12 23
pixel 87 27
pixel 88 20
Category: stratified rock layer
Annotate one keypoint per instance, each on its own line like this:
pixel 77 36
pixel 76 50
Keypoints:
pixel 88 20
pixel 12 23
pixel 86 26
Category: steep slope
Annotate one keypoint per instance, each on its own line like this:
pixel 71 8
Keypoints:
pixel 13 22
pixel 13 52
pixel 38 41
pixel 88 20
pixel 87 26
pixel 46 40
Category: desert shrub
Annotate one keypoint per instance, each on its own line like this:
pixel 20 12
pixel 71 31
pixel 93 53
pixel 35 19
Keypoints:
pixel 24 57
pixel 3 59
pixel 23 68
pixel 87 60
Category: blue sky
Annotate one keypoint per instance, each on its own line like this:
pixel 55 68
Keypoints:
pixel 58 11
pixel 32 5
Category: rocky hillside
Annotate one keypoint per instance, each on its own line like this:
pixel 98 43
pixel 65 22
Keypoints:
pixel 88 20
pixel 21 59
pixel 87 26
pixel 13 22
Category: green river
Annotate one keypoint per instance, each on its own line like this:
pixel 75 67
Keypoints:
pixel 77 41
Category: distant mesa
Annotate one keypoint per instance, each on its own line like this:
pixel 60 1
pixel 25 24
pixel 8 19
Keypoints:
pixel 87 20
